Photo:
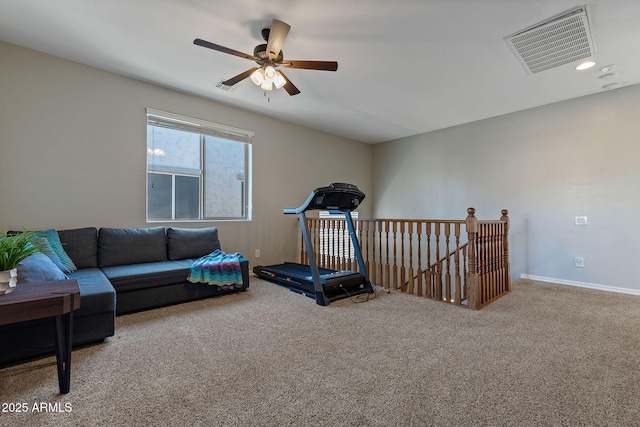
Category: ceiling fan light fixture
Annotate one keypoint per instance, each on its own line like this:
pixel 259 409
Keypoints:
pixel 267 84
pixel 257 77
pixel 279 80
pixel 269 72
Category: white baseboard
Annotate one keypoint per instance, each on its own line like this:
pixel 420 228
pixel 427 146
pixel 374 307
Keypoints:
pixel 582 284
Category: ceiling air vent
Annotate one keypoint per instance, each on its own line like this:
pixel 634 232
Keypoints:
pixel 226 88
pixel 557 41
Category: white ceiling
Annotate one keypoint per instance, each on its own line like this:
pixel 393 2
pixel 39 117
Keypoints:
pixel 405 67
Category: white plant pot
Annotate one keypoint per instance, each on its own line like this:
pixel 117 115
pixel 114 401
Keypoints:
pixel 8 281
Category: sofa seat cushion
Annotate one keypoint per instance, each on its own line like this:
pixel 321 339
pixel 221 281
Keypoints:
pixel 147 275
pixel 97 295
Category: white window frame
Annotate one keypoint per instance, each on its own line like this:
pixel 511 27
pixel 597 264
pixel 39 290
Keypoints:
pixel 203 128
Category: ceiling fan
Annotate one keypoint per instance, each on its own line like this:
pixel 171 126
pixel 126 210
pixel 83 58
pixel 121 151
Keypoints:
pixel 269 57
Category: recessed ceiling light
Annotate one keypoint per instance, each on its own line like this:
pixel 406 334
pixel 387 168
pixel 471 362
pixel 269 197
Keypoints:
pixel 607 68
pixel 610 86
pixel 608 76
pixel 585 65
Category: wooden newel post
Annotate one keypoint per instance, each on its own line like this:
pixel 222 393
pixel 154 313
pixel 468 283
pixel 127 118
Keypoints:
pixel 472 275
pixel 505 246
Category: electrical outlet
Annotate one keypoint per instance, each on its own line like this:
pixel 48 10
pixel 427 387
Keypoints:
pixel 579 262
pixel 257 253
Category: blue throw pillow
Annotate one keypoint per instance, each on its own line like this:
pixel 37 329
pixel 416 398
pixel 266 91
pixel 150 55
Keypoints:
pixel 56 246
pixel 38 268
pixel 45 248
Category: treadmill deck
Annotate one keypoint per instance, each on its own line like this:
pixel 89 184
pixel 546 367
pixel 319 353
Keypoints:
pixel 341 283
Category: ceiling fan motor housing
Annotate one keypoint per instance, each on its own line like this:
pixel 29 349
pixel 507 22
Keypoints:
pixel 260 52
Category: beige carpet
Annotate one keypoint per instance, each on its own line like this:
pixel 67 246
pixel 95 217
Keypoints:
pixel 544 355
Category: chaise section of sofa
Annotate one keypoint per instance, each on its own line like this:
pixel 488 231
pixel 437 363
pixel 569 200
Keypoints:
pixel 93 321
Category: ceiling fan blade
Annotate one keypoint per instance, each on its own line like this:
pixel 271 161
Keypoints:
pixel 223 49
pixel 289 87
pixel 277 35
pixel 311 65
pixel 239 77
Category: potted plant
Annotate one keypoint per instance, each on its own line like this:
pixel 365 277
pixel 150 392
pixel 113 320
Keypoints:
pixel 13 249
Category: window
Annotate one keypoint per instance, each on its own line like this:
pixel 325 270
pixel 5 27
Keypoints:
pixel 196 170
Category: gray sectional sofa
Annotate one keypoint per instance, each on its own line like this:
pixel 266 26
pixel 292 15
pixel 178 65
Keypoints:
pixel 119 271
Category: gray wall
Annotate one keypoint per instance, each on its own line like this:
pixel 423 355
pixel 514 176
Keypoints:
pixel 546 165
pixel 73 154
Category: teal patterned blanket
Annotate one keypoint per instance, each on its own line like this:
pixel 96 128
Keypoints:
pixel 217 269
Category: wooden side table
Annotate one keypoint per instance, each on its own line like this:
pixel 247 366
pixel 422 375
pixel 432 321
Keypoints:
pixel 30 301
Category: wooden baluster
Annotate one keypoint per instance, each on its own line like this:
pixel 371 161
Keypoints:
pixel 357 224
pixel 336 244
pixel 350 255
pixel 380 250
pixel 497 256
pixel 337 230
pixel 328 230
pixel 302 252
pixel 332 247
pixel 374 252
pixel 490 283
pixel 365 241
pixel 304 246
pixel 465 268
pixel 419 273
pixel 472 277
pixel 321 246
pixel 505 250
pixel 438 272
pixel 480 258
pixel 342 248
pixel 311 226
pixel 483 261
pixel 394 282
pixel 346 254
pixel 429 276
pixel 386 274
pixel 492 264
pixel 456 261
pixel 317 233
pixel 447 232
pixel 377 252
pixel 410 282
pixel 403 286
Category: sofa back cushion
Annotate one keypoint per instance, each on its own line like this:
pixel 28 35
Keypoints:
pixel 81 244
pixel 122 246
pixel 185 243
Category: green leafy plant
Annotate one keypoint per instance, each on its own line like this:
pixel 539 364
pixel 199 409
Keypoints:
pixel 16 247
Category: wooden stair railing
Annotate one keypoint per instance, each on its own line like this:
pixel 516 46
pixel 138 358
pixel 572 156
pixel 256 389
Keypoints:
pixel 426 258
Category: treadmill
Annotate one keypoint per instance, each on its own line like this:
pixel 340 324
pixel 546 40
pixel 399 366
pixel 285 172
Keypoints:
pixel 320 283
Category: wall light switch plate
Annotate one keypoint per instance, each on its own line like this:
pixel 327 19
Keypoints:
pixel 581 220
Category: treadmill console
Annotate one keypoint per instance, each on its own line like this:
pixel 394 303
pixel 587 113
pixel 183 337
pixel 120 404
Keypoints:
pixel 334 197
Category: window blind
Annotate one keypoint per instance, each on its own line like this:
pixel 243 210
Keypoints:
pixel 190 124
